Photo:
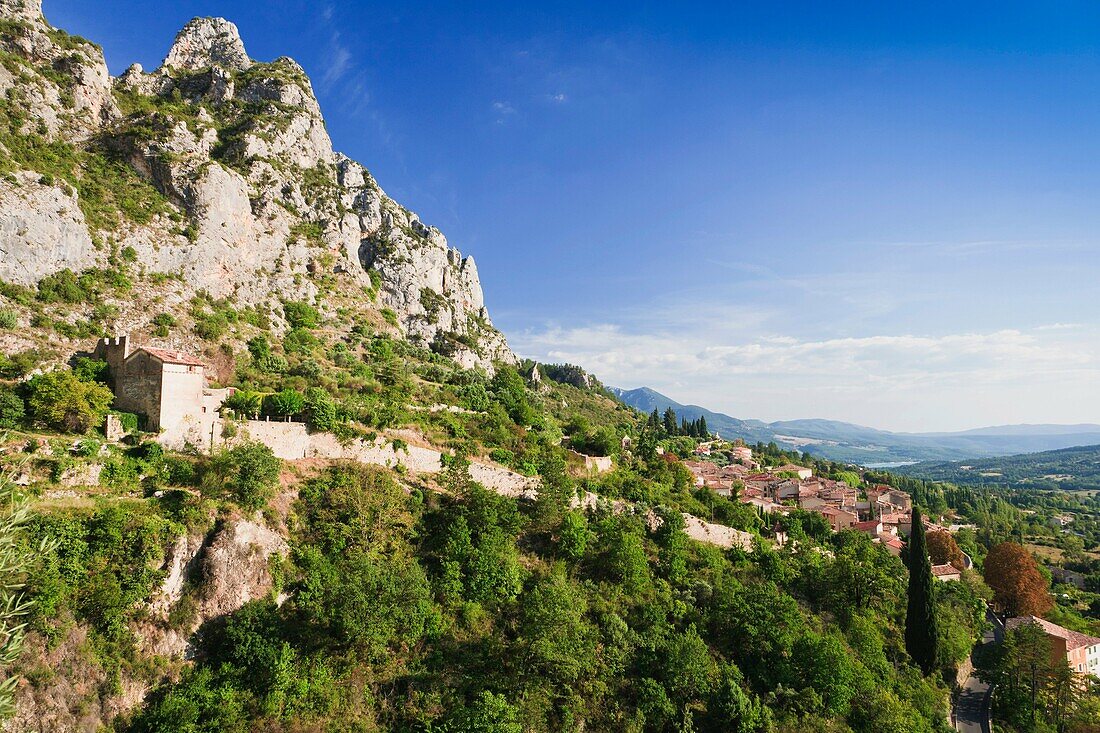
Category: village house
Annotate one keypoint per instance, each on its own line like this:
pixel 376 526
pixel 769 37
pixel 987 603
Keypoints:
pixel 166 389
pixel 801 471
pixel 946 572
pixel 872 527
pixel 1060 521
pixel 1080 651
pixel 1069 577
pixel 788 489
pixel 741 453
pixel 892 544
pixel 810 501
pixel 839 518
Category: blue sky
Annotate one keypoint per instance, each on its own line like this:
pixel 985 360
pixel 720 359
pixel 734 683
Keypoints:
pixel 883 213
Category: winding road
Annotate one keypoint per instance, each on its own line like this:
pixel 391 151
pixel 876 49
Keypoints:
pixel 972 702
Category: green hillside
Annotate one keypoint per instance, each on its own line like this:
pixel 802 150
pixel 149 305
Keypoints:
pixel 1067 469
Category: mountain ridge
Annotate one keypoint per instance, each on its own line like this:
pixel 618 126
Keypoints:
pixel 214 174
pixel 842 441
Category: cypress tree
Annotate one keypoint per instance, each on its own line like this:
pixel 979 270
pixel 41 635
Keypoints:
pixel 703 432
pixel 921 639
pixel 670 421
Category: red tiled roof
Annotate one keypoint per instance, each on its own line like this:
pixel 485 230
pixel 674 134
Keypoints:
pixel 866 526
pixel 1074 639
pixel 172 357
pixel 945 569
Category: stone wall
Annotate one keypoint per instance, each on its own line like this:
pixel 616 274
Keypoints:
pixel 137 388
pixel 287 440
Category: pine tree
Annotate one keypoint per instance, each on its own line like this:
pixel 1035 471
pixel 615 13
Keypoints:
pixel 654 420
pixel 670 422
pixel 685 429
pixel 921 639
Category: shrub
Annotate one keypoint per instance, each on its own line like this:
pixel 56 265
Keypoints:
pixel 320 409
pixel 286 403
pixel 259 348
pixel 272 364
pixel 301 315
pixel 91 370
pixel 21 364
pixel 8 319
pixel 59 400
pixel 299 341
pixel 128 420
pixel 162 322
pixel 211 326
pixel 12 409
pixel 61 287
pixel 244 403
pixel 503 456
pixel 249 473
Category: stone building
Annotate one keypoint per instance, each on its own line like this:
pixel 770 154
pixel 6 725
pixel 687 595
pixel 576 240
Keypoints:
pixel 166 389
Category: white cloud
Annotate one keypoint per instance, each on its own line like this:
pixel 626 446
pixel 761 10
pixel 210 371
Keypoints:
pixel 503 110
pixel 903 382
pixel 337 62
pixel 559 98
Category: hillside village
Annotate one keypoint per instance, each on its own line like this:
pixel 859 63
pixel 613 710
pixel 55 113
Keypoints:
pixel 880 511
pixel 170 392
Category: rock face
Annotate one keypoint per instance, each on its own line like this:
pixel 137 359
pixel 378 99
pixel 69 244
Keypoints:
pixel 206 42
pixel 256 205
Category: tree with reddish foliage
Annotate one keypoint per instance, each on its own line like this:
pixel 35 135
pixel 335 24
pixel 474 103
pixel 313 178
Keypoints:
pixel 1018 587
pixel 943 549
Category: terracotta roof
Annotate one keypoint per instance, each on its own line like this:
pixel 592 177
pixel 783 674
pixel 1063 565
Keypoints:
pixel 1074 639
pixel 172 357
pixel 867 526
pixel 945 569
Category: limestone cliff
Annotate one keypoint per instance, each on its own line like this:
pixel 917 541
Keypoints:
pixel 217 170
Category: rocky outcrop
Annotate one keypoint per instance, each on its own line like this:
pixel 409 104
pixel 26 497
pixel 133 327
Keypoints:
pixel 206 42
pixel 221 573
pixel 42 230
pixel 61 82
pixel 259 205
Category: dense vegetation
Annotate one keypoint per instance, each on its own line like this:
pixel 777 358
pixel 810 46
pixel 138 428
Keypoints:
pixel 470 612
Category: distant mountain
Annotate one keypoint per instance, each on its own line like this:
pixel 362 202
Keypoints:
pixel 1068 468
pixel 841 441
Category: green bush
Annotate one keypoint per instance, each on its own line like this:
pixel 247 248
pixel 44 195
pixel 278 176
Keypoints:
pixel 301 315
pixel 128 420
pixel 8 318
pixel 62 287
pixel 320 409
pixel 299 341
pixel 248 473
pixel 12 409
pixel 60 401
pixel 91 370
pixel 20 364
pixel 162 322
pixel 287 403
pixel 211 326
